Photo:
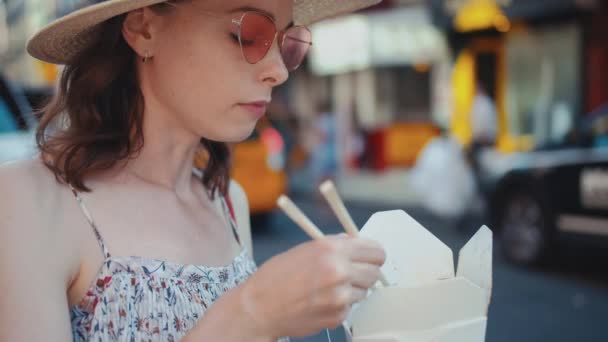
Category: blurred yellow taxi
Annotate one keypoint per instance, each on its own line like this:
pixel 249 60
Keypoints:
pixel 259 167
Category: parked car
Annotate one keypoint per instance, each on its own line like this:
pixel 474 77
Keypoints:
pixel 554 194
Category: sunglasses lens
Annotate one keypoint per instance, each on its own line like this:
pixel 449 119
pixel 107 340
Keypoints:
pixel 296 44
pixel 257 36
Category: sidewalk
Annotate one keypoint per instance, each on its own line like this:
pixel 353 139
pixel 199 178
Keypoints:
pixel 386 187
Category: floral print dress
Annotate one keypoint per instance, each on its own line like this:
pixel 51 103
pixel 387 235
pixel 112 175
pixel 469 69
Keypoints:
pixel 142 299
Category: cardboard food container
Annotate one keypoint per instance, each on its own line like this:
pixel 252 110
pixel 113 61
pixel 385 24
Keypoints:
pixel 428 301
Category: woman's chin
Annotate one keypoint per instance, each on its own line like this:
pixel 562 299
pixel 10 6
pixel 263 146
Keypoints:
pixel 237 137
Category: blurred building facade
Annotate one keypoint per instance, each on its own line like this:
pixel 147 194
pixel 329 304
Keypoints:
pixel 385 73
pixel 544 62
pixel 24 18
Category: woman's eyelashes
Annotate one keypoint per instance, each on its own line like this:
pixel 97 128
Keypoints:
pixel 243 42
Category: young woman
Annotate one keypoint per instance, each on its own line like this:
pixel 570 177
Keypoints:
pixel 112 233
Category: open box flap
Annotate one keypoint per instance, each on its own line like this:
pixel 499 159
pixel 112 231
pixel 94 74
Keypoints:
pixel 414 255
pixel 426 301
pixel 475 260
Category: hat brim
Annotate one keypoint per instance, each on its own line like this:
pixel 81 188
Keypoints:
pixel 62 40
pixel 306 12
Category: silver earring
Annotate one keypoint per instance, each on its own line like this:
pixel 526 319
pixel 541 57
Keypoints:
pixel 146 57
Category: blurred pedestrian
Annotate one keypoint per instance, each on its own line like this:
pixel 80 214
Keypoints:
pixel 447 194
pixel 484 129
pixel 111 233
pixel 323 157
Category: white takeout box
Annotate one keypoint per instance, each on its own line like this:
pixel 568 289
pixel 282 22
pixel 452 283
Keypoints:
pixel 427 301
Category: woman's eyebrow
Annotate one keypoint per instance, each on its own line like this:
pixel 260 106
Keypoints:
pixel 256 9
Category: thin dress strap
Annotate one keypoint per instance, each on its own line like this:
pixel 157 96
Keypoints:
pixel 226 207
pixel 229 213
pixel 89 218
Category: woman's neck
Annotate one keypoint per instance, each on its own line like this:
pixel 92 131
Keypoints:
pixel 165 165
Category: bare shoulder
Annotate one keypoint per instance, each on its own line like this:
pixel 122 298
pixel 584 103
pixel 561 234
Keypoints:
pixel 27 186
pixel 35 261
pixel 31 206
pixel 241 211
pixel 28 174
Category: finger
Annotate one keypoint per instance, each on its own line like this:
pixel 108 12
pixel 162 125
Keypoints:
pixel 338 299
pixel 357 295
pixel 364 276
pixel 341 236
pixel 346 296
pixel 334 320
pixel 365 251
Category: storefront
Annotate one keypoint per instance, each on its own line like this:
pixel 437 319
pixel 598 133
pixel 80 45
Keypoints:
pixel 384 74
pixel 530 55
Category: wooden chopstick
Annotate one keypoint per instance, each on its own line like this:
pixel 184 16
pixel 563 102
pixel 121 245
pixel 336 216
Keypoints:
pixel 299 218
pixel 330 193
pixel 335 202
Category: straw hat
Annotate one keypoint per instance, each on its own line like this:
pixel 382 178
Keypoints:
pixel 63 39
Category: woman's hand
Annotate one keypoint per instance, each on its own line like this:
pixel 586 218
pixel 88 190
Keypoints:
pixel 310 287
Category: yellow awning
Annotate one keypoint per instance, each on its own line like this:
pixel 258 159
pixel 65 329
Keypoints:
pixel 480 15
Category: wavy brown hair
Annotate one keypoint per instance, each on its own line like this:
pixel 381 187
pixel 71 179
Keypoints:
pixel 95 119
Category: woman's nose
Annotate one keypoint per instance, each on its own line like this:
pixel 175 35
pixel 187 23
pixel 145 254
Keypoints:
pixel 273 69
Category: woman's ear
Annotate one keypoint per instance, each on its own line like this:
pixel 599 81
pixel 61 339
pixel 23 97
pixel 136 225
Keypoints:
pixel 138 30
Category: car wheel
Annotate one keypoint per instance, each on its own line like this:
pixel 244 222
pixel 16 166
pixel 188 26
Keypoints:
pixel 524 229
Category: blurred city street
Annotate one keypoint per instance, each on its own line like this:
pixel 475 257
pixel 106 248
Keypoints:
pixel 463 113
pixel 567 301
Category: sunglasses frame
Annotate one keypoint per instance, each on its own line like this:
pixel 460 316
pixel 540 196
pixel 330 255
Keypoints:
pixel 279 34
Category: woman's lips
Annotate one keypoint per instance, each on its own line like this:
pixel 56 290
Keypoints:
pixel 257 109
